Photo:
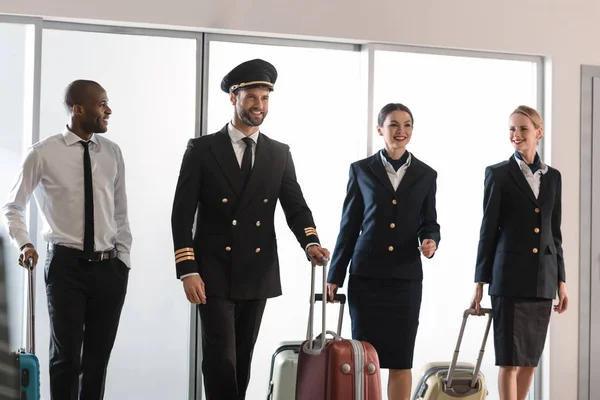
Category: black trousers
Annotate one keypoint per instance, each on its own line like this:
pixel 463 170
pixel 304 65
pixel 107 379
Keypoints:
pixel 85 300
pixel 229 332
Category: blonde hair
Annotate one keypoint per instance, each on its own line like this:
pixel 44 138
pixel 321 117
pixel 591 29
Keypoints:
pixel 532 114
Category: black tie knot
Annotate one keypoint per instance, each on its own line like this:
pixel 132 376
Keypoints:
pixel 248 141
pixel 84 144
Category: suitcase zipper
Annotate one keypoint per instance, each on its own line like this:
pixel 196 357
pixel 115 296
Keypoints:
pixel 359 366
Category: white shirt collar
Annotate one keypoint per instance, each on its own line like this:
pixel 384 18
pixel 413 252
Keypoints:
pixel 525 168
pixel 387 163
pixel 236 136
pixel 71 138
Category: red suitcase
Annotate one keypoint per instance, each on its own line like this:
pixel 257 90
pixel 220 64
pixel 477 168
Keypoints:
pixel 335 369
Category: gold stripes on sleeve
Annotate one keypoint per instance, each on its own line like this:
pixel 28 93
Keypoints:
pixel 183 254
pixel 311 231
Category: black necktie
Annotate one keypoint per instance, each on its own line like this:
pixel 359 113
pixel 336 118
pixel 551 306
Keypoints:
pixel 88 238
pixel 246 162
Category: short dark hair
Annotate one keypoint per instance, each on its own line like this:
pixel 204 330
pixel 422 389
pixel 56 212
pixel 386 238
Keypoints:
pixel 391 107
pixel 76 91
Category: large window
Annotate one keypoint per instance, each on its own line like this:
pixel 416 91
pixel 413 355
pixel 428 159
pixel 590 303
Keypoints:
pixel 17 50
pixel 316 109
pixel 461 107
pixel 151 86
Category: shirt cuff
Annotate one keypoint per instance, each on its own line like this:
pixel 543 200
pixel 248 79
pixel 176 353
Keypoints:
pixel 125 257
pixel 311 244
pixel 21 240
pixel 186 275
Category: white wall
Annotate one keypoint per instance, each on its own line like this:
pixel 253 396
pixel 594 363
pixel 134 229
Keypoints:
pixel 564 31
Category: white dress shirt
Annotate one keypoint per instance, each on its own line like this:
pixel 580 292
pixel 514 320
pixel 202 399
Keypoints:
pixel 533 179
pixel 53 172
pixel 395 176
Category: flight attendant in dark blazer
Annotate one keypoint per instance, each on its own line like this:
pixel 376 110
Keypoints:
pixel 520 254
pixel 389 218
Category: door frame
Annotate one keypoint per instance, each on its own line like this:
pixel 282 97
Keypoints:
pixel 587 227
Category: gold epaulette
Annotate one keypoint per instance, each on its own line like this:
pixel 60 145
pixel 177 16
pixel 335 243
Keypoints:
pixel 311 231
pixel 183 254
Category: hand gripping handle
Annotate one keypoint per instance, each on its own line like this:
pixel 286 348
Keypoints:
pixel 452 369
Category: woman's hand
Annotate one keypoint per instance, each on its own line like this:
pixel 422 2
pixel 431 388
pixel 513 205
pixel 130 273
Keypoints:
pixel 563 298
pixel 428 247
pixel 331 290
pixel 477 296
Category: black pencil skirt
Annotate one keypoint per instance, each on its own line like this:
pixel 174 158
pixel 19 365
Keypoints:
pixel 520 329
pixel 385 313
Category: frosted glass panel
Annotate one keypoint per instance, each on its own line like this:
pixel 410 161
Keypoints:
pixel 461 107
pixel 17 46
pixel 150 83
pixel 314 110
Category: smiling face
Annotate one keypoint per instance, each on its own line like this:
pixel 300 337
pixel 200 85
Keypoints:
pixel 251 105
pixel 93 112
pixel 523 133
pixel 396 130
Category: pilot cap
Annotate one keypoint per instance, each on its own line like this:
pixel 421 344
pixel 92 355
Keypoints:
pixel 249 74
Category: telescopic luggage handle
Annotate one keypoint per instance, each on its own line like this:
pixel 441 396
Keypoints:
pixel 451 370
pixel 30 345
pixel 310 346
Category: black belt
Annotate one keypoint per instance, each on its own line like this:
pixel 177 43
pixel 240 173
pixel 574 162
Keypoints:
pixel 95 256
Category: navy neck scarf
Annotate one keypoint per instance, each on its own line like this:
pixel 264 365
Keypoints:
pixel 396 163
pixel 537 164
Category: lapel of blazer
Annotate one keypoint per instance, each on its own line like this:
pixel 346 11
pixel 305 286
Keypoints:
pixel 225 156
pixel 412 175
pixel 260 170
pixel 517 175
pixel 376 166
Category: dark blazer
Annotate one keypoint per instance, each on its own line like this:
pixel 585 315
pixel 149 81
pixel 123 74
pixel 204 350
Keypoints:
pixel 520 246
pixel 234 245
pixel 380 228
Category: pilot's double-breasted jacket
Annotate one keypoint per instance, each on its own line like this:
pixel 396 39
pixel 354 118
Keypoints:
pixel 233 244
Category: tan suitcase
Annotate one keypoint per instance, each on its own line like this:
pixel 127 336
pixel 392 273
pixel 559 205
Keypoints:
pixel 452 380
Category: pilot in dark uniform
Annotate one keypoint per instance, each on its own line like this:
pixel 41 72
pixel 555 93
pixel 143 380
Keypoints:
pixel 520 254
pixel 233 179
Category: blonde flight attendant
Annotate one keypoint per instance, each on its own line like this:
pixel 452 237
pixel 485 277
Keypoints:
pixel 520 254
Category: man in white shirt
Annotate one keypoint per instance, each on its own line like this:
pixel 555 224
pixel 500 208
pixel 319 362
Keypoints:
pixel 78 180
